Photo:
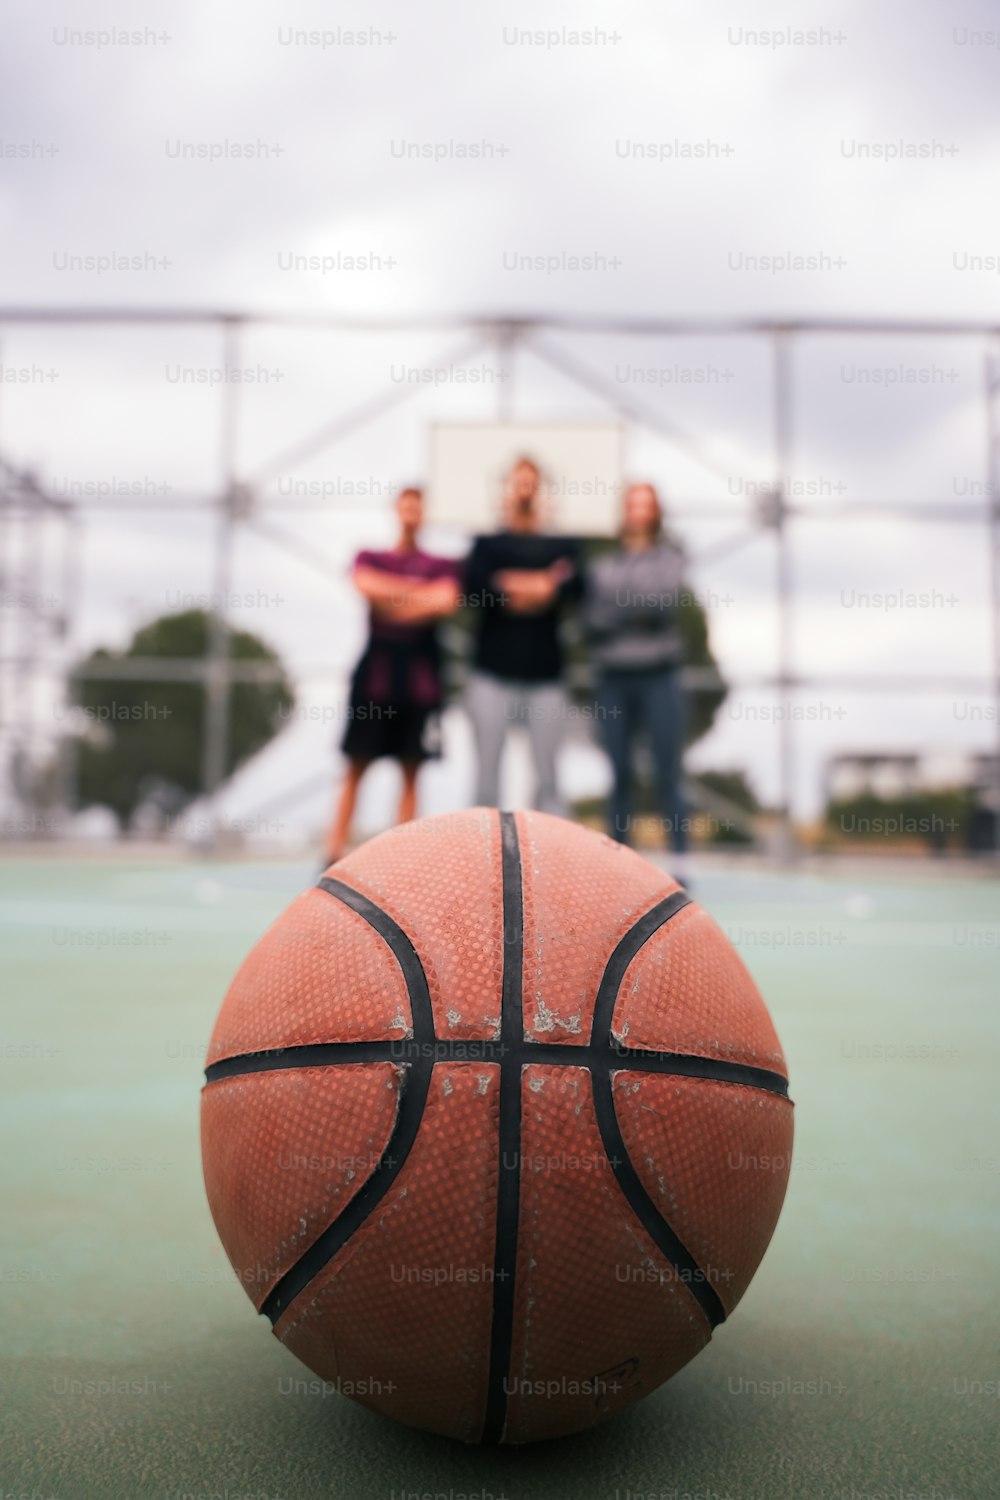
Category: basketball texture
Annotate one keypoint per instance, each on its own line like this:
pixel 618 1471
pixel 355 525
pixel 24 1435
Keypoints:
pixel 496 1126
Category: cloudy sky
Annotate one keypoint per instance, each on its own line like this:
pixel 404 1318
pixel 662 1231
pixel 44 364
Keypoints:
pixel 634 162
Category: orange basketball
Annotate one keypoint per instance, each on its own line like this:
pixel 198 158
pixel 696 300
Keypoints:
pixel 491 1126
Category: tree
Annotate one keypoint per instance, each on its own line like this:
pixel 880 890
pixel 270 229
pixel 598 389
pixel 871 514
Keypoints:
pixel 940 818
pixel 145 737
pixel 734 796
pixel 703 703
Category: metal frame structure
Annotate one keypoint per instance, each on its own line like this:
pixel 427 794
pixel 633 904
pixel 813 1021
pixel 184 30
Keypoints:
pixel 235 504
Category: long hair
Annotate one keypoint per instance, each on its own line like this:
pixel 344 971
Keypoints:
pixel 657 529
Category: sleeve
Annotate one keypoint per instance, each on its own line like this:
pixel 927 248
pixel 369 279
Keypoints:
pixel 655 611
pixel 614 606
pixel 479 569
pixel 450 568
pixel 601 613
pixel 572 590
pixel 670 582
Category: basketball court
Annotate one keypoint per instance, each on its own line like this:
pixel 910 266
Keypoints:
pixel 861 1362
pixel 266 275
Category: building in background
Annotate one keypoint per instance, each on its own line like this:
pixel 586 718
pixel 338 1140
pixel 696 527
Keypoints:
pixel 945 798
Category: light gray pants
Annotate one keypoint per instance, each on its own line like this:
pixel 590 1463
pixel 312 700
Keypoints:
pixel 494 707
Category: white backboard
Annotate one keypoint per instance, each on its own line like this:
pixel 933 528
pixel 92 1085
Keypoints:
pixel 581 463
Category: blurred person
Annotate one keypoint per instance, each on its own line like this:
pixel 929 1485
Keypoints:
pixel 630 618
pixel 521 580
pixel 396 688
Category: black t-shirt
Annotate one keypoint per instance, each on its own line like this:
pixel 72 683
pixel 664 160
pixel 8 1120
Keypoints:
pixel 519 647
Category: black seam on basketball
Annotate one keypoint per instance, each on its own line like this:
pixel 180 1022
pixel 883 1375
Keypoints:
pixel 652 1220
pixel 416 1056
pixel 415 1081
pixel 617 965
pixel 319 1055
pixel 455 1049
pixel 689 1273
pixel 694 1065
pixel 406 955
pixel 509 1143
pixel 414 1084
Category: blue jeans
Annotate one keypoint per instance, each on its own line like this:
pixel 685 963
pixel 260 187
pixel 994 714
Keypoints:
pixel 627 702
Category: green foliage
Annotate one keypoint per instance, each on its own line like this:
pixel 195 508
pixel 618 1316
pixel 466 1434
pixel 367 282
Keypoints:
pixel 703 703
pixel 734 788
pixel 940 818
pixel 147 736
pixel 733 785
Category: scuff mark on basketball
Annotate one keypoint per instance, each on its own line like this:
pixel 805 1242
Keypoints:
pixel 549 1020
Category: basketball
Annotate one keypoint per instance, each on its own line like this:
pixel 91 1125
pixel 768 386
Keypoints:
pixel 496 1126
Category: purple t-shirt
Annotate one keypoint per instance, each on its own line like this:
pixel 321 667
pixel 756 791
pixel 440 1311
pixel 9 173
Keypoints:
pixel 389 640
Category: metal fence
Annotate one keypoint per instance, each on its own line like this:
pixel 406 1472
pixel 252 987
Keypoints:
pixel 30 515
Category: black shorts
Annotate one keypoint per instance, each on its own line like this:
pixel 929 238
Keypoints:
pixel 403 732
pixel 397 727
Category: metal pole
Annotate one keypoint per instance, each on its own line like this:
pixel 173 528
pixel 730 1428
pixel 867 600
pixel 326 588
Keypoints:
pixel 655 327
pixel 4 602
pixel 68 747
pixel 217 683
pixel 506 352
pixel 630 409
pixel 782 448
pixel 27 580
pixel 993 542
pixel 497 327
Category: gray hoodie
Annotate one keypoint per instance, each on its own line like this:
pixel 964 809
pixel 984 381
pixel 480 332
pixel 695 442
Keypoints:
pixel 630 607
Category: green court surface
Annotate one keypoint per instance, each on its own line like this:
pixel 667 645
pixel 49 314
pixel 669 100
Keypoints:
pixel 864 1361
